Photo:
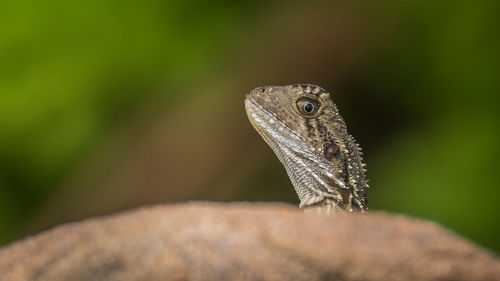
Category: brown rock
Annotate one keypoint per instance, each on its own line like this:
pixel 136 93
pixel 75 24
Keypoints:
pixel 243 241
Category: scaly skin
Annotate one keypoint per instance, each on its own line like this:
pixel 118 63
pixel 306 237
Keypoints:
pixel 305 130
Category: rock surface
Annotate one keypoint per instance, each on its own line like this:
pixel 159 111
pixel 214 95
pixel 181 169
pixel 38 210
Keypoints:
pixel 244 241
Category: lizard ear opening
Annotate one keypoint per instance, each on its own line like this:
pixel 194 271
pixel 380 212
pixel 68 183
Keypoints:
pixel 332 152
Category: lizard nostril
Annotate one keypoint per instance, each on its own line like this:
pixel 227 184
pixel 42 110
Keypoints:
pixel 255 91
pixel 260 89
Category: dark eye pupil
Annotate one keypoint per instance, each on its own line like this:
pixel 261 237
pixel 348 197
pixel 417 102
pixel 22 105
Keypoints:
pixel 309 107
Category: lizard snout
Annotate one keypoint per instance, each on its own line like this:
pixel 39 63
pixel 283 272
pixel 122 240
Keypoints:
pixel 256 91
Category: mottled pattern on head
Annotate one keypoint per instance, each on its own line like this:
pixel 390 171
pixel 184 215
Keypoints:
pixel 304 128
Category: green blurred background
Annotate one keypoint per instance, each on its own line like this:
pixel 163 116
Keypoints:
pixel 109 105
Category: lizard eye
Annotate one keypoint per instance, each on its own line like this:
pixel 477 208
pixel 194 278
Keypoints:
pixel 307 107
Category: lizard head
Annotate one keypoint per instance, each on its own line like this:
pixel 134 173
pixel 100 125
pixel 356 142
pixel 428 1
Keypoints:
pixel 305 130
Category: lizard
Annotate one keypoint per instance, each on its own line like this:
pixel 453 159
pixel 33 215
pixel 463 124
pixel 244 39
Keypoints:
pixel 303 127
